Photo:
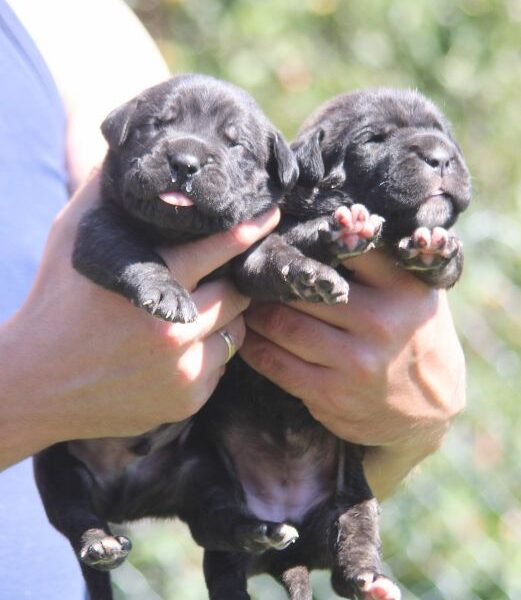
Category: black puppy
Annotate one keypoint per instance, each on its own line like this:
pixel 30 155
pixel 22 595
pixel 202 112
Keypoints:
pixel 186 158
pixel 262 485
pixel 393 153
pixel 203 474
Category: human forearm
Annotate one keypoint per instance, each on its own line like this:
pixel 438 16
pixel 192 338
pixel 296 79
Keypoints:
pixel 79 361
pixel 443 386
pixel 386 467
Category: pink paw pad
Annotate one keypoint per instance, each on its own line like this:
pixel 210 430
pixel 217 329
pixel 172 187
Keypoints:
pixel 428 247
pixel 380 588
pixel 357 227
pixel 431 243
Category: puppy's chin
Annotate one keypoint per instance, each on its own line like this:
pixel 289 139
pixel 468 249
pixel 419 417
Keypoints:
pixel 435 210
pixel 175 216
pixel 202 211
pixel 152 199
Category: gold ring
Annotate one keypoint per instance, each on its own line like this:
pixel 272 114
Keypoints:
pixel 230 344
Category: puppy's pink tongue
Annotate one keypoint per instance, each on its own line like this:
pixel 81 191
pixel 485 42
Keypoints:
pixel 176 199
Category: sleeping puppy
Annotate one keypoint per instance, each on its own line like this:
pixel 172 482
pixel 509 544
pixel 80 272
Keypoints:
pixel 235 473
pixel 393 152
pixel 262 485
pixel 386 152
pixel 187 158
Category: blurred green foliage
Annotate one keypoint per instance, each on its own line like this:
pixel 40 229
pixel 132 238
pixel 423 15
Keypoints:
pixel 453 532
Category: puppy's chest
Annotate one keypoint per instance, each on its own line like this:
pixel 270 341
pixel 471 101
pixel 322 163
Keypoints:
pixel 286 475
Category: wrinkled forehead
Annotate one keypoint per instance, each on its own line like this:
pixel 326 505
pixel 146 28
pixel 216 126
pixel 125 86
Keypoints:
pixel 201 99
pixel 379 108
pixel 399 108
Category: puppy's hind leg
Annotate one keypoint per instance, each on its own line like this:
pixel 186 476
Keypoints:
pixel 98 583
pixel 225 575
pixel 355 537
pixel 212 504
pixel 219 521
pixel 63 483
pixel 296 582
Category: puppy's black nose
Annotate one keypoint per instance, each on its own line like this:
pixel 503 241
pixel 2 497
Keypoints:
pixel 437 156
pixel 183 165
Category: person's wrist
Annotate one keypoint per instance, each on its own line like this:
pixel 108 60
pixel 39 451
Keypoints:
pixel 387 466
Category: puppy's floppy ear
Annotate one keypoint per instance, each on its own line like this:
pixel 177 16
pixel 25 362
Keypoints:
pixel 282 161
pixel 308 151
pixel 336 176
pixel 115 127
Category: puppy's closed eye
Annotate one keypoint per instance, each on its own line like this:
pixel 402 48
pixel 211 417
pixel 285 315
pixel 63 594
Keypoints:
pixel 155 123
pixel 374 133
pixel 232 135
pixel 376 138
pixel 148 127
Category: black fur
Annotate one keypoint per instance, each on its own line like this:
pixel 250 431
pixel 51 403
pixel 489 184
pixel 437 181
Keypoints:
pixel 392 151
pixel 205 470
pixel 193 135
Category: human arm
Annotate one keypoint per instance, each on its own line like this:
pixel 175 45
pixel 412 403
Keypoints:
pixel 81 362
pixel 386 370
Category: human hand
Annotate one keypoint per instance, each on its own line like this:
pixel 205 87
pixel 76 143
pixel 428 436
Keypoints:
pixel 386 370
pixel 82 362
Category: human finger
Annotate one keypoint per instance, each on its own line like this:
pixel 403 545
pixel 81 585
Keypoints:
pixel 376 269
pixel 365 306
pixel 218 302
pixel 192 261
pixel 304 336
pixel 286 370
pixel 377 313
pixel 212 353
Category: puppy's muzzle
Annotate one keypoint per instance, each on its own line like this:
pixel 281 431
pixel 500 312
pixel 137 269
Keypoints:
pixel 434 151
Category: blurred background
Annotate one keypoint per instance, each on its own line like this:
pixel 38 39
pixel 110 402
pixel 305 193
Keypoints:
pixel 453 532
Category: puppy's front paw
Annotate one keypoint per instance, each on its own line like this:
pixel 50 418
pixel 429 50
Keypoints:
pixel 167 300
pixel 103 551
pixel 354 231
pixel 427 249
pixel 312 281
